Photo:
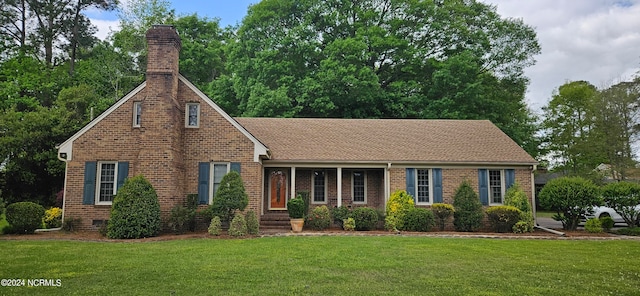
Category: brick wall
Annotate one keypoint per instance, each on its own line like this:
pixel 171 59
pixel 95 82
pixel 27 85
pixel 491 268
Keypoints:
pixel 161 149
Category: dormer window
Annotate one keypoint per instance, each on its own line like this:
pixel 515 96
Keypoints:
pixel 137 113
pixel 192 115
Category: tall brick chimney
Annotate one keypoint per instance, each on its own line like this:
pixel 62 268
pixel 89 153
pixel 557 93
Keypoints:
pixel 161 154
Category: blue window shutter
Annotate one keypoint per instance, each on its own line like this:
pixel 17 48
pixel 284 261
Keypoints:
pixel 235 166
pixel 437 185
pixel 123 173
pixel 510 177
pixel 203 183
pixel 89 193
pixel 483 180
pixel 411 182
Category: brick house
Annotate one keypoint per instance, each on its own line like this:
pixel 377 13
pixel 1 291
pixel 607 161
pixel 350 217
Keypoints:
pixel 183 143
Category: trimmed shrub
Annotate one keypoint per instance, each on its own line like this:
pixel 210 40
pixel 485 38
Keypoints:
pixel 570 198
pixel 521 227
pixel 503 218
pixel 607 223
pixel 135 212
pixel 593 225
pixel 623 197
pixel 468 209
pixel 419 219
pixel 339 214
pixel 215 227
pixel 400 202
pixel 253 225
pixel 24 217
pixel 295 207
pixel 633 231
pixel 442 212
pixel 516 197
pixel 349 224
pixel 52 218
pixel 180 219
pixel 365 218
pixel 71 224
pixel 319 219
pixel 229 198
pixel 238 226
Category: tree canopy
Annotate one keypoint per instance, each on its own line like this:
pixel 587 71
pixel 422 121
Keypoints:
pixel 304 58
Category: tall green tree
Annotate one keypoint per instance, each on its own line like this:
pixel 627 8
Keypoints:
pixel 617 125
pixel 380 59
pixel 569 123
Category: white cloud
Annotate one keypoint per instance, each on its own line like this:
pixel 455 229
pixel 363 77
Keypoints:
pixel 596 41
pixel 105 27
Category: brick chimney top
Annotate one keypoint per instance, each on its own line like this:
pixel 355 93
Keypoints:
pixel 163 49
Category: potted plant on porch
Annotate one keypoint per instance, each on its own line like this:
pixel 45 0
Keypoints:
pixel 295 207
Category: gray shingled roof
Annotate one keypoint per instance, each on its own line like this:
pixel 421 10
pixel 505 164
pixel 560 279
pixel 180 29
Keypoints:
pixel 385 140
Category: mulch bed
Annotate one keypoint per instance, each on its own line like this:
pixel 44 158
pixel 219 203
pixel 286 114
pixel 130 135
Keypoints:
pixel 95 236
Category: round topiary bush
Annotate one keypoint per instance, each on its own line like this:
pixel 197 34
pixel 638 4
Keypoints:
pixel 593 225
pixel 503 218
pixel 365 218
pixel 135 212
pixel 349 224
pixel 468 209
pixel 319 219
pixel 442 212
pixel 419 219
pixel 24 217
pixel 607 223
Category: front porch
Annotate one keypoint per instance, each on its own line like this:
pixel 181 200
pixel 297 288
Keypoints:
pixel 355 186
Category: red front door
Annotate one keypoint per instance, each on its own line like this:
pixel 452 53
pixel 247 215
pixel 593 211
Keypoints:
pixel 278 189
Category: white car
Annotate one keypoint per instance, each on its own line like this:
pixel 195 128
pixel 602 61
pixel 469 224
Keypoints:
pixel 602 211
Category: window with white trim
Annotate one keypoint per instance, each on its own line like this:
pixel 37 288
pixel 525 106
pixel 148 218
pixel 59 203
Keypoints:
pixel 423 187
pixel 137 113
pixel 359 187
pixel 218 170
pixel 319 187
pixel 106 187
pixel 496 187
pixel 192 115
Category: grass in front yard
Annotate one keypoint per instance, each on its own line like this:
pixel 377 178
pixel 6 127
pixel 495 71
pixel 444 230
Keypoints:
pixel 328 265
pixel 545 214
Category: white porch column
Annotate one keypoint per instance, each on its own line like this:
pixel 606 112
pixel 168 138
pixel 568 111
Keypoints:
pixel 387 184
pixel 339 181
pixel 293 182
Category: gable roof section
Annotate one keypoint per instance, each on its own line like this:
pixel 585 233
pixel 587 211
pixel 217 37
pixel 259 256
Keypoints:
pixel 386 140
pixel 67 146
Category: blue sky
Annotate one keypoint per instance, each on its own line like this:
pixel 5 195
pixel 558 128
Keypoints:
pixel 596 41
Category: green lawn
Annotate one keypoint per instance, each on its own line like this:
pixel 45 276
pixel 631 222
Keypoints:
pixel 329 265
pixel 545 214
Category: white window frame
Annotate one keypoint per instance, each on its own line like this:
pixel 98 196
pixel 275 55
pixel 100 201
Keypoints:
pixel 99 182
pixel 137 114
pixel 430 172
pixel 212 177
pixel 313 187
pixel 353 195
pixel 186 115
pixel 502 187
